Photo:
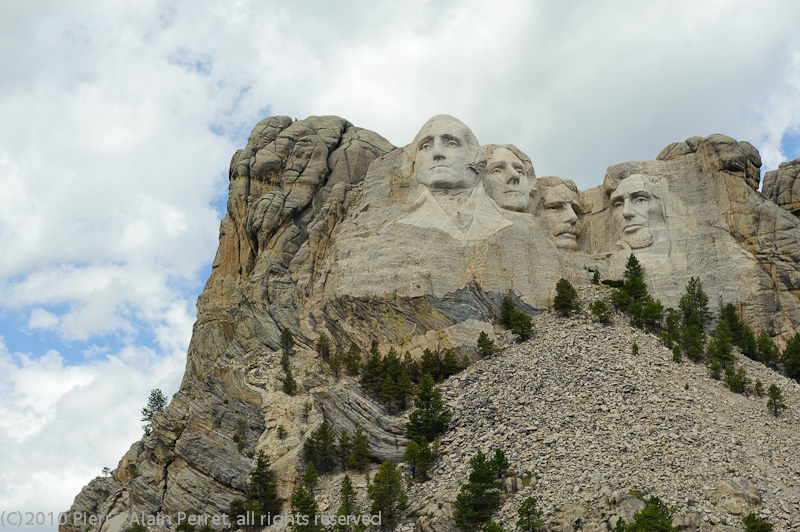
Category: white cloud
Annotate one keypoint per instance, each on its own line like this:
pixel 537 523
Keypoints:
pixel 60 425
pixel 118 123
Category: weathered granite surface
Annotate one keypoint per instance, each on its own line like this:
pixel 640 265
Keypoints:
pixel 781 186
pixel 330 228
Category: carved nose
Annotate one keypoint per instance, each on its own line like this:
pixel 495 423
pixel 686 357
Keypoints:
pixel 438 153
pixel 513 180
pixel 570 216
pixel 627 211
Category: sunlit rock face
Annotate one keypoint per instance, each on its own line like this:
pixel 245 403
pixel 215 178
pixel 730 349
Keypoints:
pixel 783 187
pixel 331 228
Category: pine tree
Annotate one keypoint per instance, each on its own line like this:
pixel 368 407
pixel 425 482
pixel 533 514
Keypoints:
pixel 480 497
pixel 766 351
pixel 419 458
pixel 521 325
pixel 289 384
pixel 654 517
pixel 694 300
pixel 775 401
pixel 737 380
pixel 633 268
pixel 335 363
pixel 566 299
pixel 412 367
pixel 343 449
pixel 431 364
pixel 430 418
pixel 348 506
pixel 320 448
pixel 287 341
pixel 485 344
pixel 634 285
pixel 387 495
pixel 155 404
pixel 791 357
pixel 410 457
pixel 500 462
pixel 310 477
pixel 324 346
pixel 372 377
pixel 753 523
pixel 491 526
pixel 715 370
pixel 747 342
pixel 692 337
pixel 721 347
pixel 652 313
pixel 352 360
pixel 403 390
pixel 600 310
pixel 530 517
pixel 758 388
pixel 425 460
pixel 728 315
pixel 450 364
pixel 262 488
pixel 359 454
pixel 507 309
pixel 305 506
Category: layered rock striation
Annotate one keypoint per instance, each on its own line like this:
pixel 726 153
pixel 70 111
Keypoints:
pixel 329 228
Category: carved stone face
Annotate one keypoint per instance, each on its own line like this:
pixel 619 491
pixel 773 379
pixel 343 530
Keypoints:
pixel 633 207
pixel 506 182
pixel 560 214
pixel 444 153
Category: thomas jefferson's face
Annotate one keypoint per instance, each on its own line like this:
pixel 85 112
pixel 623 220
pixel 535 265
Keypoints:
pixel 506 181
pixel 443 155
pixel 560 215
pixel 632 206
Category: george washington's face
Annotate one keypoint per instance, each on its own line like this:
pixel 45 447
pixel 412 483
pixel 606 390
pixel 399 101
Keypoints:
pixel 506 182
pixel 443 155
pixel 633 207
pixel 560 214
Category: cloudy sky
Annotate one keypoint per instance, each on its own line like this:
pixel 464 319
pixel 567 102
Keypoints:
pixel 118 121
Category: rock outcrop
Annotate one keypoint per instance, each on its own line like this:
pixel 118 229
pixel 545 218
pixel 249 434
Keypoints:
pixel 781 186
pixel 332 229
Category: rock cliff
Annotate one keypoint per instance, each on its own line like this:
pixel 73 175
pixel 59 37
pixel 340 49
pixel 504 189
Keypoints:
pixel 331 228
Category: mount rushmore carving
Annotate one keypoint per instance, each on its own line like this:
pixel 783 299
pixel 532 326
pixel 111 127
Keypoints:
pixel 331 228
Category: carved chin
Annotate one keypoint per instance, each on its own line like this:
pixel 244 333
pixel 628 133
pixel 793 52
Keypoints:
pixel 641 239
pixel 513 202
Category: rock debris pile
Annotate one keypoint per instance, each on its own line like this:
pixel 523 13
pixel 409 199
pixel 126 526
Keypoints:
pixel 593 423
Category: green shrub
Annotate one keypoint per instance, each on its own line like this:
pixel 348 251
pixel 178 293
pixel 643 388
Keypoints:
pixel 600 310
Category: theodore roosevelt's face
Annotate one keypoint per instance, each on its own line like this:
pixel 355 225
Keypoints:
pixel 443 155
pixel 506 182
pixel 632 206
pixel 560 214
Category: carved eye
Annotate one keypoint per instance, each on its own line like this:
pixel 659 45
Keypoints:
pixel 497 171
pixel 618 204
pixel 641 199
pixel 452 143
pixel 425 146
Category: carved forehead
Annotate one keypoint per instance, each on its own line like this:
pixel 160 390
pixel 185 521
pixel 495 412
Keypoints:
pixel 494 151
pixel 559 193
pixel 504 155
pixel 550 182
pixel 631 185
pixel 446 125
